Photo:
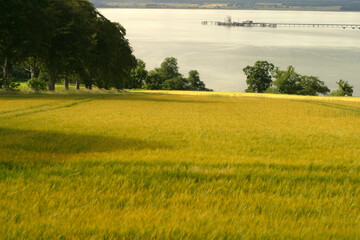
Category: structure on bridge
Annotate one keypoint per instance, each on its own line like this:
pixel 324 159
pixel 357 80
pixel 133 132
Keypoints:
pixel 248 23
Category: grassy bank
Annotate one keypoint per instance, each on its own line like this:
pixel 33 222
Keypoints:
pixel 175 165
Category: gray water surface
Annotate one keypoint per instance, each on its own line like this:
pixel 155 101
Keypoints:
pixel 220 53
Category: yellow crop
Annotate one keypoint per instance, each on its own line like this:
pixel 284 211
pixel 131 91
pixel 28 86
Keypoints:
pixel 179 165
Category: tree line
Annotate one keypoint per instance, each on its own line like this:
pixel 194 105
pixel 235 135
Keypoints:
pixel 166 77
pixel 50 41
pixel 259 79
pixel 63 39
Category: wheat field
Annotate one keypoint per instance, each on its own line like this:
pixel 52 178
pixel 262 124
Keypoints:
pixel 179 165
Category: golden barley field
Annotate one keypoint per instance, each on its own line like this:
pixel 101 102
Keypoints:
pixel 179 165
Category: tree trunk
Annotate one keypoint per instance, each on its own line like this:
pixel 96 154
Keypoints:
pixel 66 83
pixel 77 85
pixel 5 68
pixel 51 86
pixel 88 86
pixel 32 68
pixel 51 83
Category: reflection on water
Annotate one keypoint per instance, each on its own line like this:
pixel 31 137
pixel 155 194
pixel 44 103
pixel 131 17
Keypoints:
pixel 220 53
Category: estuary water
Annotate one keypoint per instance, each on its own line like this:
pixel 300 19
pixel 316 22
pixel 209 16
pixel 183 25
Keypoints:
pixel 220 53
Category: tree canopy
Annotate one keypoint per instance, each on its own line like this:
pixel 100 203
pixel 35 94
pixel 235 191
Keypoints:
pixel 168 77
pixel 287 81
pixel 139 75
pixel 64 39
pixel 260 79
pixel 344 89
pixel 290 82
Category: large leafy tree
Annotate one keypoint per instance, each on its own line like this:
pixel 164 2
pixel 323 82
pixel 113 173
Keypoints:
pixel 17 21
pixel 73 26
pixel 154 80
pixel 178 83
pixel 66 39
pixel 138 75
pixel 311 85
pixel 81 34
pixel 168 77
pixel 169 68
pixel 38 36
pixel 345 89
pixel 288 81
pixel 258 77
pixel 195 83
pixel 111 58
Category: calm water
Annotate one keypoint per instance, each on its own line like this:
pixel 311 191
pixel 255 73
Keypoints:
pixel 220 53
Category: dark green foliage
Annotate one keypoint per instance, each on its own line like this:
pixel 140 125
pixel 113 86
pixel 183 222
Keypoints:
pixel 37 84
pixel 68 38
pixel 13 25
pixel 168 77
pixel 23 32
pixel 344 89
pixel 195 83
pixel 178 83
pixel 138 75
pixel 112 60
pixel 72 24
pixel 258 77
pixel 290 82
pixel 9 84
pixel 272 90
pixel 154 80
pixel 312 86
pixel 169 68
pixel 287 82
pixel 19 72
pixel 44 75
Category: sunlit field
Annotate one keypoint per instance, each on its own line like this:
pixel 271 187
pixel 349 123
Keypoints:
pixel 177 165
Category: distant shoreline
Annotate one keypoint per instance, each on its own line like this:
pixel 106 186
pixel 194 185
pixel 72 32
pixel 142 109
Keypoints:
pixel 179 6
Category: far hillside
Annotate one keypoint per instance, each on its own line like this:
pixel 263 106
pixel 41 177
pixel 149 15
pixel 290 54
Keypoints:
pixel 319 5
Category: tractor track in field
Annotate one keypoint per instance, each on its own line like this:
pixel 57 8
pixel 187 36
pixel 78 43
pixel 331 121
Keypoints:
pixel 27 108
pixel 68 105
pixel 352 109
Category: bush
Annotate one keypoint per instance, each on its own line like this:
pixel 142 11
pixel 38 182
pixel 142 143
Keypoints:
pixel 10 84
pixel 37 84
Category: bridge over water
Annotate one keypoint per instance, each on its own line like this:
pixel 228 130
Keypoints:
pixel 248 23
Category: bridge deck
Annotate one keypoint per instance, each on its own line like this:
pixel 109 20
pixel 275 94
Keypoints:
pixel 274 25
